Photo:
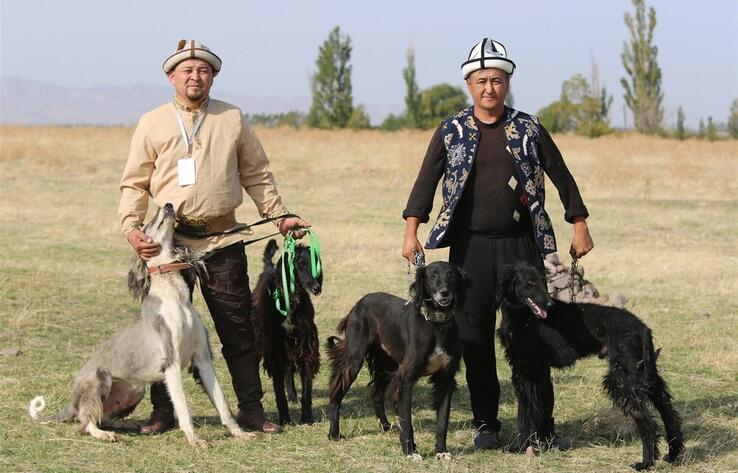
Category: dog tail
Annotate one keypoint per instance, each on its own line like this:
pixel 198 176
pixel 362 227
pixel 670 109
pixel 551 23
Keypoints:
pixel 341 327
pixel 269 251
pixel 648 354
pixel 336 348
pixel 37 406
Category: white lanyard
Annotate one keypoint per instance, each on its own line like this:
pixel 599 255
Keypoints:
pixel 187 139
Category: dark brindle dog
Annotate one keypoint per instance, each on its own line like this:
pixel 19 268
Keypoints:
pixel 288 344
pixel 539 333
pixel 401 342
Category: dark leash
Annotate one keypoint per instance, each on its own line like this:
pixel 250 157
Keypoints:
pixel 572 275
pixel 183 230
pixel 418 262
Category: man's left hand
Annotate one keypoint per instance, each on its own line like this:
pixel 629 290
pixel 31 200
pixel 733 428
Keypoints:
pixel 293 222
pixel 581 243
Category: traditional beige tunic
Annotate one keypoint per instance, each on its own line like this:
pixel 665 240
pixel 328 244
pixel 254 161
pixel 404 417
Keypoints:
pixel 228 158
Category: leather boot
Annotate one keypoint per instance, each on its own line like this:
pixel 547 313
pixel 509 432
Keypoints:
pixel 254 420
pixel 160 421
pixel 162 415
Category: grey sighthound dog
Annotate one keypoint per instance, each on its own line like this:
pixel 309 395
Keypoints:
pixel 155 346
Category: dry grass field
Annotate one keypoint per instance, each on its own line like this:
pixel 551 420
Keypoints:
pixel 664 218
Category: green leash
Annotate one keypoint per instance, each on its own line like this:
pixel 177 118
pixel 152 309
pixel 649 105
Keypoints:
pixel 288 267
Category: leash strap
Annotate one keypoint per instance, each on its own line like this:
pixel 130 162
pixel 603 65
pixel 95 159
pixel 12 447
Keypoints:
pixel 572 277
pixel 240 227
pixel 418 262
pixel 189 139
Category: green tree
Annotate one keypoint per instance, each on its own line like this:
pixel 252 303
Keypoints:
pixel 359 118
pixel 440 102
pixel 412 95
pixel 733 119
pixel 643 91
pixel 680 130
pixel 581 108
pixel 393 122
pixel 711 133
pixel 701 129
pixel 332 104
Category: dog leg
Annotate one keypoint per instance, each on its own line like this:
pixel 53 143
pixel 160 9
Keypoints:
pixel 661 398
pixel 204 365
pixel 407 437
pixel 534 391
pixel 105 435
pixel 633 402
pixel 280 397
pixel 306 402
pixel 443 386
pixel 173 379
pixel 289 382
pixel 379 390
pixel 345 367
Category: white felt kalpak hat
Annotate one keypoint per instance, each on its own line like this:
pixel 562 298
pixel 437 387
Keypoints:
pixel 486 54
pixel 189 49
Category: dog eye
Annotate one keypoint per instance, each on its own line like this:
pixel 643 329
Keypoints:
pixel 531 284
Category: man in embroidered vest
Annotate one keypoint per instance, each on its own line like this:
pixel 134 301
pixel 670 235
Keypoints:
pixel 491 159
pixel 200 154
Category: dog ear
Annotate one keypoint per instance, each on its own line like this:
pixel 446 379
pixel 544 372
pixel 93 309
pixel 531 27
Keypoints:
pixel 416 290
pixel 505 280
pixel 138 279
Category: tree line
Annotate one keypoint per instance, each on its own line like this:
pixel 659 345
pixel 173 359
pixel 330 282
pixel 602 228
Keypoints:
pixel 583 106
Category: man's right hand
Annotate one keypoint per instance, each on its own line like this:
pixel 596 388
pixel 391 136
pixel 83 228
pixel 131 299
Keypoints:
pixel 411 245
pixel 144 246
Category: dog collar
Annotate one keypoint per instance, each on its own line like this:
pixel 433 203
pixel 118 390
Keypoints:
pixel 168 267
pixel 437 316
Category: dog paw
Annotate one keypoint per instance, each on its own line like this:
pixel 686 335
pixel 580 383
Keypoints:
pixel 196 442
pixel 386 427
pixel 640 466
pixel 443 456
pixel 242 434
pixel 308 420
pixel 336 438
pixel 109 436
pixel 416 457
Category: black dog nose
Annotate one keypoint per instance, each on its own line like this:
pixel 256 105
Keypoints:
pixel 444 292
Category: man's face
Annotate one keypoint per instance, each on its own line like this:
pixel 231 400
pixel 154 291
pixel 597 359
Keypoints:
pixel 488 89
pixel 192 78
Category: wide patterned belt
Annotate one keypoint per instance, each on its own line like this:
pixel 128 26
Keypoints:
pixel 201 227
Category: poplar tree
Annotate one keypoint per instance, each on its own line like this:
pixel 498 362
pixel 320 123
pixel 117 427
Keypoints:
pixel 643 87
pixel 412 94
pixel 332 105
pixel 680 131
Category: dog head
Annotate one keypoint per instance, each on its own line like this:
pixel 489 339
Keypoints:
pixel 308 267
pixel 161 230
pixel 524 285
pixel 439 288
pixel 309 273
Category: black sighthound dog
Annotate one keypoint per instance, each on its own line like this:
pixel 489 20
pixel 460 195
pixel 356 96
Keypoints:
pixel 288 343
pixel 539 333
pixel 401 342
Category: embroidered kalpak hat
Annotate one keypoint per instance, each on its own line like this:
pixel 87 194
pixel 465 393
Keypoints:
pixel 189 49
pixel 486 54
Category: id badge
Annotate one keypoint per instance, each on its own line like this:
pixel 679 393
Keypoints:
pixel 186 171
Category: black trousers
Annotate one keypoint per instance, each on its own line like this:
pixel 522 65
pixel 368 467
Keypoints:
pixel 228 297
pixel 482 259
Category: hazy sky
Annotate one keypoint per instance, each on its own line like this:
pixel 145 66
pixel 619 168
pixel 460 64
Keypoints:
pixel 269 47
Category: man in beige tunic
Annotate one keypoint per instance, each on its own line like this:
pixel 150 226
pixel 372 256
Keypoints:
pixel 199 153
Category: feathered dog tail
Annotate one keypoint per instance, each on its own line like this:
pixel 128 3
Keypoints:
pixel 269 251
pixel 336 348
pixel 37 406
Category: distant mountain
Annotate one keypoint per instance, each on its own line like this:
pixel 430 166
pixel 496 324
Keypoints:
pixel 24 101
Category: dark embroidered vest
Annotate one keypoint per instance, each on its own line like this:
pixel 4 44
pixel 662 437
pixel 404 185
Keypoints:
pixel 461 138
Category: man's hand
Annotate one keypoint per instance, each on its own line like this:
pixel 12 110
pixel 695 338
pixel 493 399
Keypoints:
pixel 581 243
pixel 144 246
pixel 293 222
pixel 411 243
